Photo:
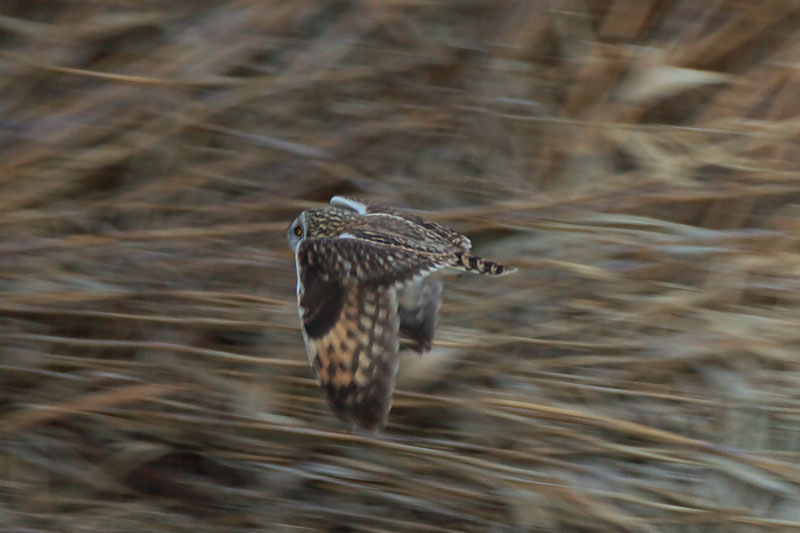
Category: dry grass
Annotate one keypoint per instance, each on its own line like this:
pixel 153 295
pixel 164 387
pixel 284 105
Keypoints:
pixel 637 160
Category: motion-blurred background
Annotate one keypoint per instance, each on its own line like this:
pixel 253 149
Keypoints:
pixel 637 160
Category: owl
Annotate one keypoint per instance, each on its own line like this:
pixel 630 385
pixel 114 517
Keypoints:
pixel 365 274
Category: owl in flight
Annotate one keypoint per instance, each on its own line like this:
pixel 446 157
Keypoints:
pixel 366 273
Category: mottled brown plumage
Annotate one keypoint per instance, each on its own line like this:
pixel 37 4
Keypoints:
pixel 362 277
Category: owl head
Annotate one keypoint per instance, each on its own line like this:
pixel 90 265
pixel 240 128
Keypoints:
pixel 320 222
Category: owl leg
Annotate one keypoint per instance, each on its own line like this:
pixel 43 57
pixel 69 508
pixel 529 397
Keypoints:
pixel 418 307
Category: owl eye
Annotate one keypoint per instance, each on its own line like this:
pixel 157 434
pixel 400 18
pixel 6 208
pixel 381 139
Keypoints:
pixel 298 231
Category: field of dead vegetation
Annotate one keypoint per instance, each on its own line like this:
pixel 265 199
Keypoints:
pixel 637 160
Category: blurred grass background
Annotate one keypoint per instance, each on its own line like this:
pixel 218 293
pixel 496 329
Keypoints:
pixel 637 160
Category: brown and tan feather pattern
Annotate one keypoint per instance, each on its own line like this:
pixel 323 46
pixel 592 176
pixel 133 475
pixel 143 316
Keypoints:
pixel 383 261
pixel 363 276
pixel 347 297
pixel 443 232
pixel 356 359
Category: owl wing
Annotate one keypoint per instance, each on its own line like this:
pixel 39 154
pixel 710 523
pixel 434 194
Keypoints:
pixel 347 296
pixel 418 307
pixel 443 232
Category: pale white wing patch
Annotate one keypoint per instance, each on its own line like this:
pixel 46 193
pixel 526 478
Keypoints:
pixel 349 203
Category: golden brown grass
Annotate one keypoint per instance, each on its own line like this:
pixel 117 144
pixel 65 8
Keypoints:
pixel 637 160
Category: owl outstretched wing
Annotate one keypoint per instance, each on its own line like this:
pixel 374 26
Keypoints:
pixel 458 240
pixel 348 304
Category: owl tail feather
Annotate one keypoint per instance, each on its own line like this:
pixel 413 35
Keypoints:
pixel 477 265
